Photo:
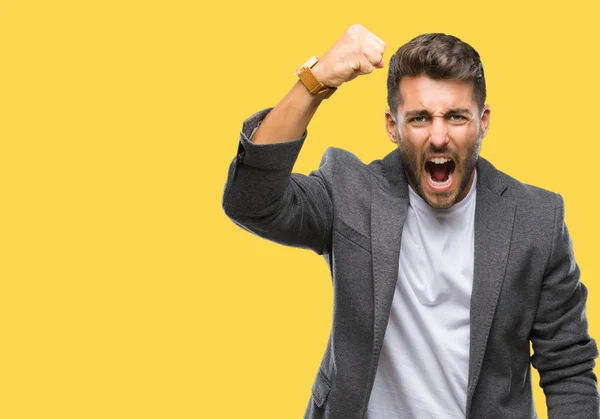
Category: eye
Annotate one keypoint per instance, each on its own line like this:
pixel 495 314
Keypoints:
pixel 457 118
pixel 418 120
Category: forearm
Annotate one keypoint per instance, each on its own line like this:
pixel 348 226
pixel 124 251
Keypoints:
pixel 289 119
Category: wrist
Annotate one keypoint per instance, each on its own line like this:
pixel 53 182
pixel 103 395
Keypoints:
pixel 312 79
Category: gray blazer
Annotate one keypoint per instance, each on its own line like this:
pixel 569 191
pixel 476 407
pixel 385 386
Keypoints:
pixel 525 288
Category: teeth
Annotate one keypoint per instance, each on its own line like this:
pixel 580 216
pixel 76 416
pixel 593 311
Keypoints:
pixel 439 160
pixel 440 184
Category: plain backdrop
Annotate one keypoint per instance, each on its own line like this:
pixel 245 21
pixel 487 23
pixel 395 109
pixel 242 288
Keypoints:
pixel 125 292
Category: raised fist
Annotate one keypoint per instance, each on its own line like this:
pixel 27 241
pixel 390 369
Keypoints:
pixel 357 52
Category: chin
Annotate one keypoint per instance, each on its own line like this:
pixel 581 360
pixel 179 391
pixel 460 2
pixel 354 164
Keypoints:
pixel 440 202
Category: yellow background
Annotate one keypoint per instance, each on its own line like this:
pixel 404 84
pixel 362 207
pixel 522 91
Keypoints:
pixel 125 292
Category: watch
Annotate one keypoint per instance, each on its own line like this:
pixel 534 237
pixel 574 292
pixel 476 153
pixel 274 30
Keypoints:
pixel 314 86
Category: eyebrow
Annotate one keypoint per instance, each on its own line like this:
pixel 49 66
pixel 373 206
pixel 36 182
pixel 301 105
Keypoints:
pixel 424 112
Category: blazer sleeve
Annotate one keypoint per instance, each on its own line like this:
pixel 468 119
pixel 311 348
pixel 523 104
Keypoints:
pixel 263 196
pixel 564 352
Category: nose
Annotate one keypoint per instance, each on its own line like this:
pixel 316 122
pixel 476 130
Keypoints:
pixel 438 134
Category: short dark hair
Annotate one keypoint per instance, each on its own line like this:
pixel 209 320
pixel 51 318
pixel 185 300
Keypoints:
pixel 440 57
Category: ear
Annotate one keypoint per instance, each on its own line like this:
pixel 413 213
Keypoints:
pixel 485 120
pixel 390 126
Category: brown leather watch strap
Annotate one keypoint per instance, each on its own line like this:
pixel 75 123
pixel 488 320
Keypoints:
pixel 314 86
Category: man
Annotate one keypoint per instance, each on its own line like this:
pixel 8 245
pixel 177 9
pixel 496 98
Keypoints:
pixel 444 268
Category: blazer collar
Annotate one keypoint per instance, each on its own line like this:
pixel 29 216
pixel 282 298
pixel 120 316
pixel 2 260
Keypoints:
pixel 393 173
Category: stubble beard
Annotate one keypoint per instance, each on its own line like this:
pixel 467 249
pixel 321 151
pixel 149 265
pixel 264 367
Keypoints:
pixel 409 161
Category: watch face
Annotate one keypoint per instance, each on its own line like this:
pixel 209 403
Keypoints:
pixel 307 65
pixel 311 62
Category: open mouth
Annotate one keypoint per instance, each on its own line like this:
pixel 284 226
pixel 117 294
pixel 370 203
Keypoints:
pixel 440 171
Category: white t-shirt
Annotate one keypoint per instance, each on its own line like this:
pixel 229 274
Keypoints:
pixel 424 363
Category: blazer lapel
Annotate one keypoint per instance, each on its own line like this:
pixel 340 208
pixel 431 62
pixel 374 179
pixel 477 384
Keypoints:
pixel 494 218
pixel 389 206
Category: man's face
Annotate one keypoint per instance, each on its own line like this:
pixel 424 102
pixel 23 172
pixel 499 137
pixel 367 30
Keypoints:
pixel 438 129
